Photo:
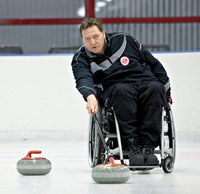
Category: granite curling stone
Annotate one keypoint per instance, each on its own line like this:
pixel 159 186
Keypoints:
pixel 33 165
pixel 110 173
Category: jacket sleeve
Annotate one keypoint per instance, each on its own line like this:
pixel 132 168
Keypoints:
pixel 83 75
pixel 155 65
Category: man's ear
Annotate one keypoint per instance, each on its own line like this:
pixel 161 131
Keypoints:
pixel 104 34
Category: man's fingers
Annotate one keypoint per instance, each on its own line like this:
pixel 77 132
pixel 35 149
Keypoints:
pixel 92 109
pixel 95 109
pixel 92 105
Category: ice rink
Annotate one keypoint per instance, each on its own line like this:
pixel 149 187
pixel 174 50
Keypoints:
pixel 40 109
pixel 71 173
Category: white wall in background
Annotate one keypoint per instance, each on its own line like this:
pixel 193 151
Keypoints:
pixel 38 92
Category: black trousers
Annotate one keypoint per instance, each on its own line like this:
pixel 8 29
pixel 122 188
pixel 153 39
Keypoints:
pixel 138 110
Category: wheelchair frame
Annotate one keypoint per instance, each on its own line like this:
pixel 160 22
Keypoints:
pixel 105 119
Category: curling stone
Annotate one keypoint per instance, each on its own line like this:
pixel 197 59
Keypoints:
pixel 110 173
pixel 33 165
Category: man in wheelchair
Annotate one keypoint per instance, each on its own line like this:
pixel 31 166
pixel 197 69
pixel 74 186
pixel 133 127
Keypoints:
pixel 136 83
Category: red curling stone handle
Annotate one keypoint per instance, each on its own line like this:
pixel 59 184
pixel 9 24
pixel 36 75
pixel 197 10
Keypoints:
pixel 29 155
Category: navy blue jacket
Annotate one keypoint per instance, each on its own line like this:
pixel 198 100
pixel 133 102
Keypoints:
pixel 125 61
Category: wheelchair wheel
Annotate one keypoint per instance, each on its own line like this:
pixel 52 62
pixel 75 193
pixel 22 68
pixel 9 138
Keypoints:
pixel 95 148
pixel 168 164
pixel 168 141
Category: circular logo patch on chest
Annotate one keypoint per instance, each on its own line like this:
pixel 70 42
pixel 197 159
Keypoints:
pixel 124 61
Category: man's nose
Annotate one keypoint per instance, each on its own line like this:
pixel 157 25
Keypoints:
pixel 92 41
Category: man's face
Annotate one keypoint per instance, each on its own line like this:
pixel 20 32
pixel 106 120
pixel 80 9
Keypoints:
pixel 94 40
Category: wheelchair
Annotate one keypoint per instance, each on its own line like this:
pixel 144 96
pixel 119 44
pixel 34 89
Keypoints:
pixel 104 125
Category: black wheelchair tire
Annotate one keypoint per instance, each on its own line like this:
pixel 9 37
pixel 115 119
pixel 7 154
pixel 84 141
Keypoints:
pixel 94 145
pixel 168 164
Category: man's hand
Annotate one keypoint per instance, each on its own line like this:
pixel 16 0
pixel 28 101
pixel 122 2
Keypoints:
pixel 168 92
pixel 168 95
pixel 92 105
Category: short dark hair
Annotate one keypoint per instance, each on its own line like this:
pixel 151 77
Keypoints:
pixel 89 22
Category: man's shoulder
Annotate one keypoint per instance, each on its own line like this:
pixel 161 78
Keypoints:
pixel 80 54
pixel 117 34
pixel 114 35
pixel 80 51
pixel 116 38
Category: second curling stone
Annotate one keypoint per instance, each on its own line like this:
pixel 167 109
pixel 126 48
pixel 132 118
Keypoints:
pixel 33 165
